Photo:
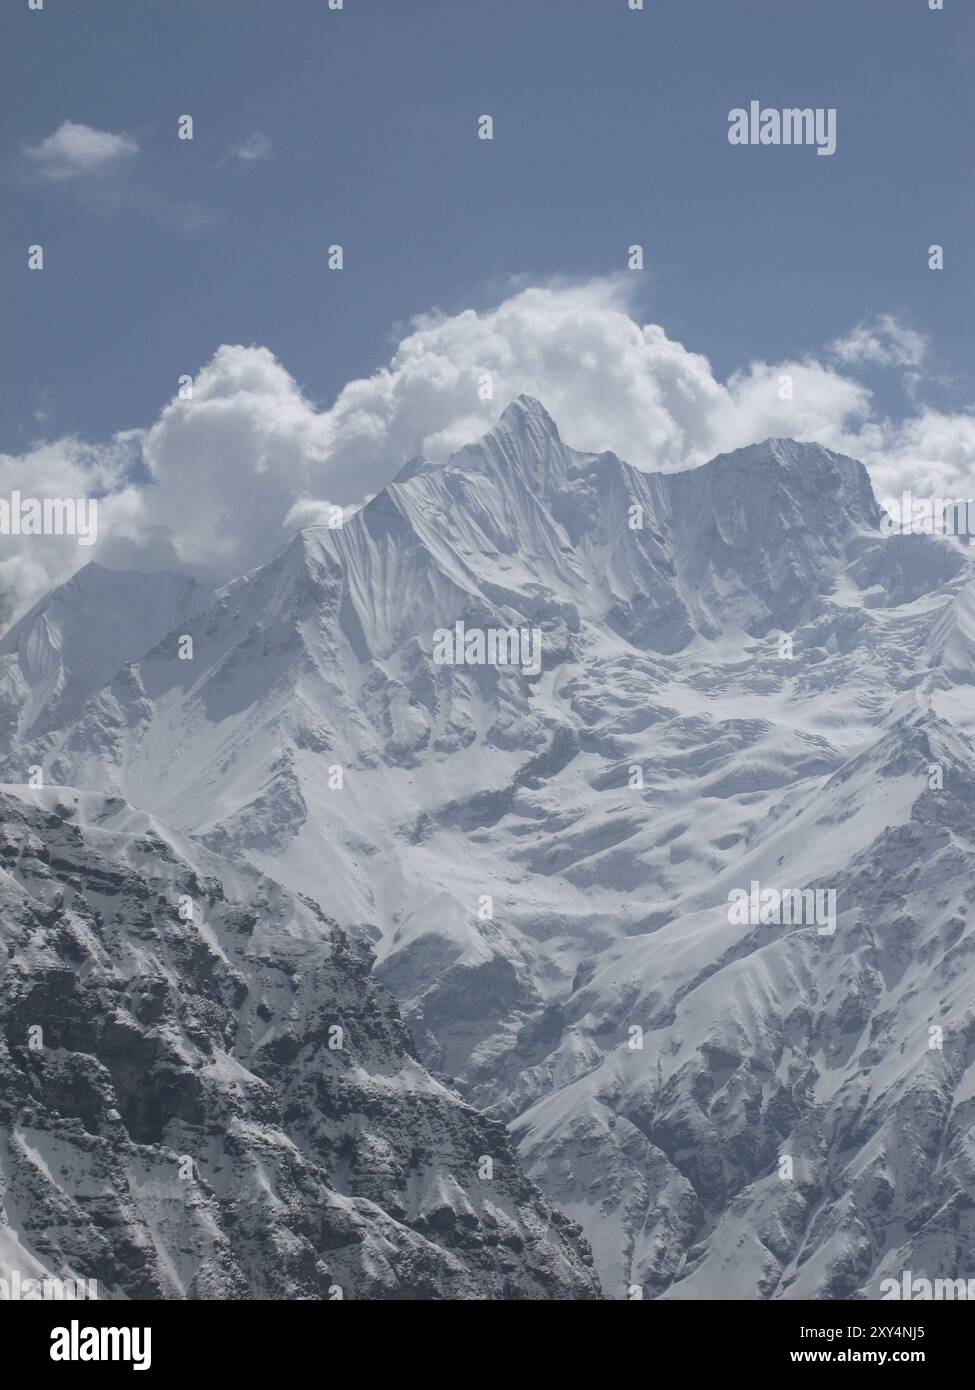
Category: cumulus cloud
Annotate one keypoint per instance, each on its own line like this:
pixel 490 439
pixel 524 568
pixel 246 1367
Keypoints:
pixel 96 168
pixel 610 382
pixel 931 454
pixel 226 475
pixel 74 150
pixel 65 468
pixel 254 147
pixel 229 465
pixel 884 342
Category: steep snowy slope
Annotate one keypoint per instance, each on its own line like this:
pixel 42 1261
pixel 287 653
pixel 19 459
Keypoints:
pixel 74 641
pixel 203 1094
pixel 742 680
pixel 851 1056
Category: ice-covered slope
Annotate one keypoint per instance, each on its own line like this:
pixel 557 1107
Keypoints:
pixel 742 679
pixel 203 1094
pixel 75 639
pixel 850 1056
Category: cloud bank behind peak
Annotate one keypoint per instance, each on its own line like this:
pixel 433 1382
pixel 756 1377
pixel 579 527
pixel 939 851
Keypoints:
pixel 216 483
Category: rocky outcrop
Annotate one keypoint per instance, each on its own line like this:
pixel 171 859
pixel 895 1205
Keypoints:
pixel 203 1094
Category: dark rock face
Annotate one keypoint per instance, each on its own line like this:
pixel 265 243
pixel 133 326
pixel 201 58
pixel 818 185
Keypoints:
pixel 204 1094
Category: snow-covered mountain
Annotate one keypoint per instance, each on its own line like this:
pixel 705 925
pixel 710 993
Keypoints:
pixel 204 1095
pixel 742 680
pixel 72 643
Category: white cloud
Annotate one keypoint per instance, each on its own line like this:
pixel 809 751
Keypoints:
pixel 884 342
pixel 250 456
pixel 609 382
pixel 74 150
pixel 931 454
pixel 256 146
pixel 65 468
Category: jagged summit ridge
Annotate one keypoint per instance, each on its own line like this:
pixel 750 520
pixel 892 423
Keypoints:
pixel 528 413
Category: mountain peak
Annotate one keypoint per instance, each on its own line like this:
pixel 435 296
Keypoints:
pixel 525 412
pixel 786 453
pixel 828 487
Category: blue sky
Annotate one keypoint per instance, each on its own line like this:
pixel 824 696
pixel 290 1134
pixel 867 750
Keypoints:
pixel 611 128
pixel 208 258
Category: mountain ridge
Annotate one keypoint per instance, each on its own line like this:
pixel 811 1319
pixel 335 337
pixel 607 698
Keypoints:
pixel 742 678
